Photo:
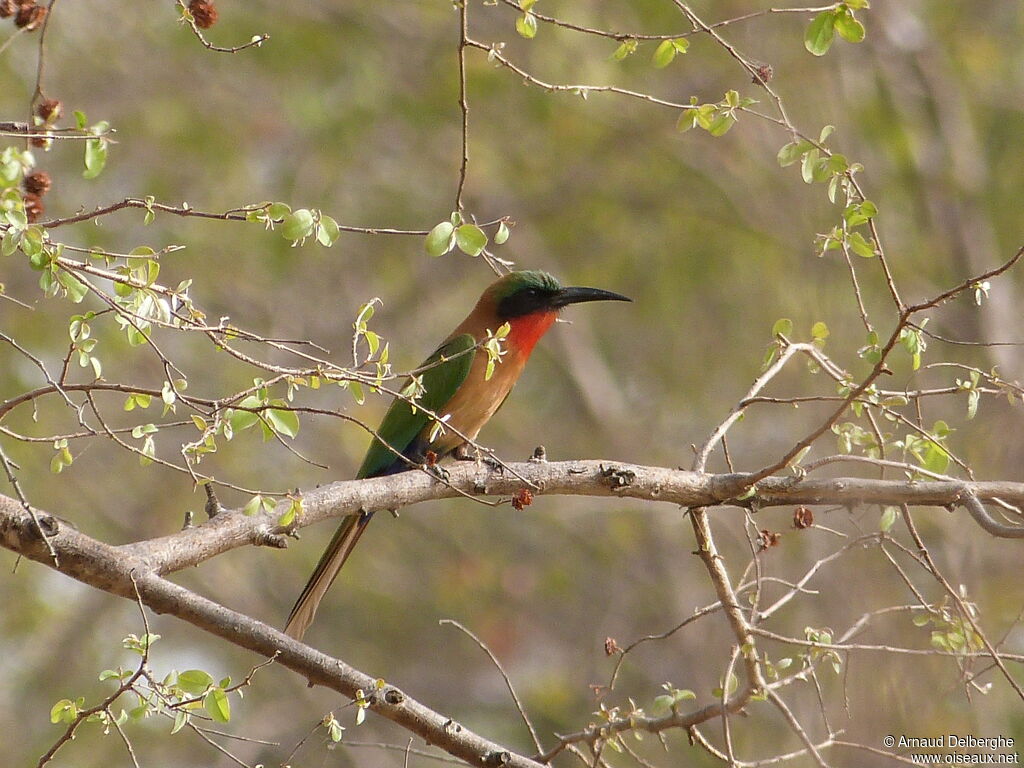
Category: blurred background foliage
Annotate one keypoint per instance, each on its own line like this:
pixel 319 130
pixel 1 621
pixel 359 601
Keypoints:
pixel 351 107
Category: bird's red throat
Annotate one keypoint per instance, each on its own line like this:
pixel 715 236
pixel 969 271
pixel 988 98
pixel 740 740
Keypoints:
pixel 526 330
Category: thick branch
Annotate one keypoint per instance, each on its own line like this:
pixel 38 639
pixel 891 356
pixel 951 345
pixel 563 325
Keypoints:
pixel 567 478
pixel 105 567
pixel 119 569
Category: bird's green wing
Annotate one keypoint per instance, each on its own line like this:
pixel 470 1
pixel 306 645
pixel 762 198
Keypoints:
pixel 449 367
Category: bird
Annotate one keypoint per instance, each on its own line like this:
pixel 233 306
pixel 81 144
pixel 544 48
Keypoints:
pixel 460 391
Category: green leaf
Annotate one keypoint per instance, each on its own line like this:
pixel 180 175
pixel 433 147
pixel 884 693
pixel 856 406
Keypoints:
pixel 793 151
pixel 526 26
pixel 64 710
pixel 471 239
pixel 217 705
pixel 253 505
pixel 849 28
pixel 819 34
pixel 357 392
pixel 298 225
pixel 195 681
pixel 501 236
pixel 241 420
pixel 783 327
pixel 721 124
pixel 664 54
pixel 889 515
pixel 808 165
pixel 626 48
pixel 95 158
pixel 327 231
pixel 819 331
pixel 283 422
pixel 861 246
pixel 181 718
pixel 441 239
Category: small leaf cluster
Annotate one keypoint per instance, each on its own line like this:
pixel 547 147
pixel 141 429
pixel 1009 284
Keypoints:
pixel 468 237
pixel 95 159
pixel 614 738
pixel 822 637
pixel 179 696
pixel 83 343
pixel 782 334
pixel 715 118
pixel 663 55
pixel 273 414
pixel 526 25
pixel 492 345
pixel 823 28
pixel 927 450
pixel 952 631
pixel 669 701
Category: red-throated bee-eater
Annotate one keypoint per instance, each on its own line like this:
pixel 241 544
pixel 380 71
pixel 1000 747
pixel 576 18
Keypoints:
pixel 457 390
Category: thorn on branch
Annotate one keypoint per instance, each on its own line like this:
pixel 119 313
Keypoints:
pixel 189 517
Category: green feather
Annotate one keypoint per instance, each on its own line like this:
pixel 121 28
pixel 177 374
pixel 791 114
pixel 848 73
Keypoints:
pixel 449 367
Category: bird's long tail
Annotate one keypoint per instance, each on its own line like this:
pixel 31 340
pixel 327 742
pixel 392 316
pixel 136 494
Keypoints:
pixel 337 552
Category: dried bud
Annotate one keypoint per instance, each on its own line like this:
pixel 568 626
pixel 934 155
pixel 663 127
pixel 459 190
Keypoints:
pixel 766 539
pixel 30 17
pixel 762 74
pixel 431 458
pixel 33 206
pixel 611 647
pixel 38 183
pixel 204 12
pixel 7 8
pixel 49 110
pixel 522 498
pixel 40 142
pixel 802 518
pixel 24 3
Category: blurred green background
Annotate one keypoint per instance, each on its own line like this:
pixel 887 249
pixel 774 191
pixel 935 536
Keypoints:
pixel 352 108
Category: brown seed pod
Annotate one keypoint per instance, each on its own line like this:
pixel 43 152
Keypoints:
pixel 33 206
pixel 522 498
pixel 802 518
pixel 49 110
pixel 30 17
pixel 38 183
pixel 204 12
pixel 7 8
pixel 767 539
pixel 40 142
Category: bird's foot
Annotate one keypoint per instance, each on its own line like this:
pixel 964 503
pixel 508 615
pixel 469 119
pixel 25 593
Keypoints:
pixel 439 472
pixel 465 453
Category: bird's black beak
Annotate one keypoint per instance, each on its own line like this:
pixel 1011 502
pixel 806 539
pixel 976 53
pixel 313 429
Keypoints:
pixel 575 295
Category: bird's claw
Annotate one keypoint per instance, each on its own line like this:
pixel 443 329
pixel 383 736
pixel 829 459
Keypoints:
pixel 439 472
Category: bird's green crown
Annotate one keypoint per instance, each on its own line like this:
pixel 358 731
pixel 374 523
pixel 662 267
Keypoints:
pixel 524 280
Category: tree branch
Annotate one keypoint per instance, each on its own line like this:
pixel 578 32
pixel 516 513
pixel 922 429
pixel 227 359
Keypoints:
pixel 121 569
